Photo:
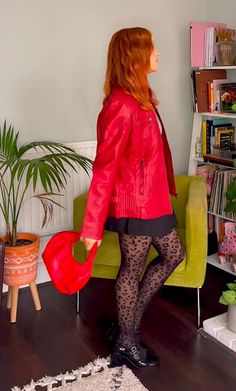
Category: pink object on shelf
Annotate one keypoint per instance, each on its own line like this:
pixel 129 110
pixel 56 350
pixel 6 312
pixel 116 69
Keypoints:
pixel 197 41
pixel 222 260
pixel 207 171
pixel 228 246
pixel 233 267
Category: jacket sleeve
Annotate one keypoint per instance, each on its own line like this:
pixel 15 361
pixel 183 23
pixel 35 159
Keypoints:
pixel 113 132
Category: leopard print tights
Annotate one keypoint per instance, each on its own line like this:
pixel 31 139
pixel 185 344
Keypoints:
pixel 133 295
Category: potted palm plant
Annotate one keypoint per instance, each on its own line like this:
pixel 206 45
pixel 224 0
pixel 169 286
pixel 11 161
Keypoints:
pixel 17 173
pixel 229 298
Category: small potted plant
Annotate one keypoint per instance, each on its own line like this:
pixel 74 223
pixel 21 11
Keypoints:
pixel 231 197
pixel 17 173
pixel 229 298
pixel 227 248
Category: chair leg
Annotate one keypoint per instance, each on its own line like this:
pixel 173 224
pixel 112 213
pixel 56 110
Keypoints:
pixel 198 308
pixel 77 302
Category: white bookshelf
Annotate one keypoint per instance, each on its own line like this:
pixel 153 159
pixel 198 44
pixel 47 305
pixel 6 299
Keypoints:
pixel 194 161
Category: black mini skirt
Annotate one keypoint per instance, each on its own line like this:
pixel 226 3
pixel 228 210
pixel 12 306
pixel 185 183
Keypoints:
pixel 158 227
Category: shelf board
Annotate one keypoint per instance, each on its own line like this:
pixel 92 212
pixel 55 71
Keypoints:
pixel 199 159
pixel 219 161
pixel 218 115
pixel 212 260
pixel 216 67
pixel 222 217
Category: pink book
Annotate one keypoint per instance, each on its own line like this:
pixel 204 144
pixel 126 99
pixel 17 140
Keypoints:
pixel 197 39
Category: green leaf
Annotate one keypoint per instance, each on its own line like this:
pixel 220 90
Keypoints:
pixel 222 300
pixel 232 286
pixel 231 191
pixel 45 146
pixel 8 143
pixel 229 296
pixel 230 207
pixel 49 171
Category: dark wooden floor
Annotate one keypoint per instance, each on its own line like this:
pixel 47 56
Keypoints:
pixel 56 339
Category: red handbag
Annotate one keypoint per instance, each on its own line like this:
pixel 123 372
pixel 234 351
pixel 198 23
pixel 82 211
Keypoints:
pixel 67 275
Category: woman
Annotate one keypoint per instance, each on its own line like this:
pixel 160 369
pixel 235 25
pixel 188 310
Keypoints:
pixel 132 180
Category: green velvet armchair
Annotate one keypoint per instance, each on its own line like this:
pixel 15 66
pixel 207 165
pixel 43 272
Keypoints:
pixel 190 208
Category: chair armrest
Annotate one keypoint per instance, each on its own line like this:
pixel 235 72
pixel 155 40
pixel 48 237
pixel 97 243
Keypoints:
pixel 79 206
pixel 196 228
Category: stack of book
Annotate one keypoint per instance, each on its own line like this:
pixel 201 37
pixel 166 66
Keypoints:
pixel 212 92
pixel 217 136
pixel 202 43
pixel 205 89
pixel 203 39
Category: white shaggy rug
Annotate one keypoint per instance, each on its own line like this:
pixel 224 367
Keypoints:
pixel 94 376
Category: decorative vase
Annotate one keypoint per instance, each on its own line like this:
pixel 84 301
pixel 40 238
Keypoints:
pixel 21 262
pixel 225 52
pixel 231 317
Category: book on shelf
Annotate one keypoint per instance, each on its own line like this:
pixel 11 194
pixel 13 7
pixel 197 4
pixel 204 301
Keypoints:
pixel 216 94
pixel 209 46
pixel 210 133
pixel 221 230
pixel 201 78
pixel 198 41
pixel 204 138
pixel 193 91
pixel 213 95
pixel 224 138
pixel 227 92
pixel 210 97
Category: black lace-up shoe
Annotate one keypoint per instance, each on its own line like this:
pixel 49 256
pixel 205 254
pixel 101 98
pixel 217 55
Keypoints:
pixel 132 355
pixel 145 349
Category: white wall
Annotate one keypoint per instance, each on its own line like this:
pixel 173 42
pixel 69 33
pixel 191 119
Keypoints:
pixel 53 55
pixel 222 11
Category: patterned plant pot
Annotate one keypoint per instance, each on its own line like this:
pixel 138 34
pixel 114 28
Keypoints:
pixel 21 262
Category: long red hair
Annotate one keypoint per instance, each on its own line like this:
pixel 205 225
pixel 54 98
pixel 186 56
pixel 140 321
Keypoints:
pixel 128 63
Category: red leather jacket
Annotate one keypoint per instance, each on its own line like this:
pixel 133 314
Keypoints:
pixel 132 172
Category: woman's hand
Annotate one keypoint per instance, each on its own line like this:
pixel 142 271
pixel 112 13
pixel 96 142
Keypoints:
pixel 88 242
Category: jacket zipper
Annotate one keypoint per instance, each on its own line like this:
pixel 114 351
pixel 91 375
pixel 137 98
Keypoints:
pixel 141 184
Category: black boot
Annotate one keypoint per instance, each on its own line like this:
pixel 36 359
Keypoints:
pixel 132 355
